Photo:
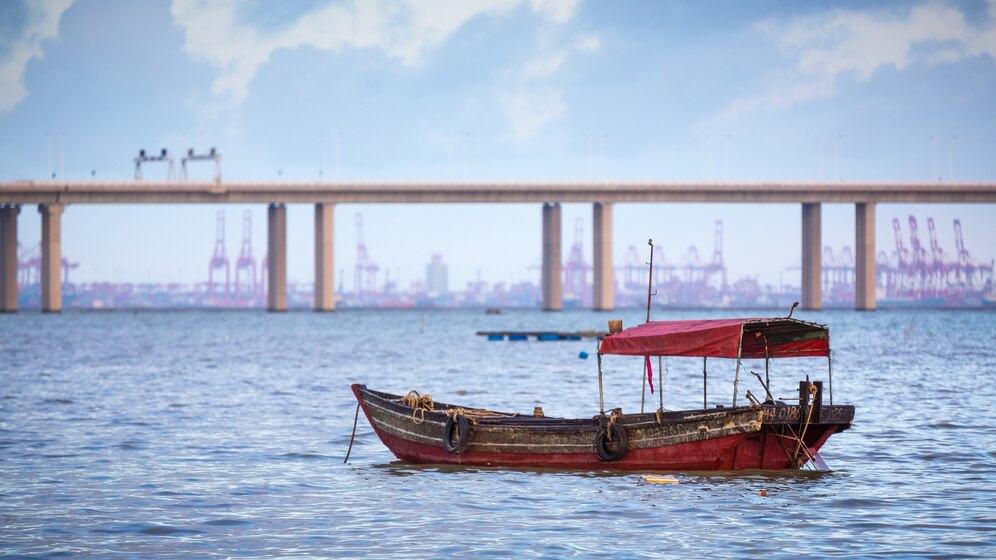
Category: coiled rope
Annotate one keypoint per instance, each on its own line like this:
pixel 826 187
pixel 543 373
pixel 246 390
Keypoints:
pixel 423 403
pixel 420 403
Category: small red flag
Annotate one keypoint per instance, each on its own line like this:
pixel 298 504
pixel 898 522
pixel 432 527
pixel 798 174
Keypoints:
pixel 650 375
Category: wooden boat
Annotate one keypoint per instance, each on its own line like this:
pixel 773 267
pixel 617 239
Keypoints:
pixel 758 435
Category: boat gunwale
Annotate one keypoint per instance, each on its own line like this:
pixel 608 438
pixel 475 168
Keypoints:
pixel 504 420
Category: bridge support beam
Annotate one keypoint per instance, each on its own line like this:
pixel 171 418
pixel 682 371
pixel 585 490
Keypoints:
pixel 324 257
pixel 8 257
pixel 276 222
pixel 51 257
pixel 603 294
pixel 552 290
pixel 812 253
pixel 864 256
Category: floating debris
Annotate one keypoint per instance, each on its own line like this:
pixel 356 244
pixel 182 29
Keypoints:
pixel 660 479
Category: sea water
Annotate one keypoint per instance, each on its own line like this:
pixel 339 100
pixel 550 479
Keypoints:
pixel 221 434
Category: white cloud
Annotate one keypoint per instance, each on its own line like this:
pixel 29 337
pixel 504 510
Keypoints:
pixel 549 63
pixel 589 43
pixel 828 47
pixel 404 30
pixel 533 103
pixel 42 23
pixel 531 109
pixel 558 11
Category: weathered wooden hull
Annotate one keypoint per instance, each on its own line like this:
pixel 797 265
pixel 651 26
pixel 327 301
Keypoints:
pixel 722 439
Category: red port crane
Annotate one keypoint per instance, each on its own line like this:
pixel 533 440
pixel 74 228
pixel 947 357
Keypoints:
pixel 576 270
pixel 219 260
pixel 245 266
pixel 365 271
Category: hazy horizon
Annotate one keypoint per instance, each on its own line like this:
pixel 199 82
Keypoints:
pixel 501 90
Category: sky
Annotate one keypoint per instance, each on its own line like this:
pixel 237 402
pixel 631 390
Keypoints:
pixel 488 90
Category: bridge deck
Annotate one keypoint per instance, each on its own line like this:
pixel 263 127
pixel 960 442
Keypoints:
pixel 103 192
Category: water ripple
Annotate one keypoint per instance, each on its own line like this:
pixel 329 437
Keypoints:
pixel 222 435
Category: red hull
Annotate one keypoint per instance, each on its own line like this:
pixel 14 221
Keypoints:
pixel 736 452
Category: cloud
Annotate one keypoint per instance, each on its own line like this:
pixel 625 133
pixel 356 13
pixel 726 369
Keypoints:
pixel 550 62
pixel 530 109
pixel 828 47
pixel 533 102
pixel 43 18
pixel 557 11
pixel 403 30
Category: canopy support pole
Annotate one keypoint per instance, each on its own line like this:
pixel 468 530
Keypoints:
pixel 767 372
pixel 601 401
pixel 830 374
pixel 736 376
pixel 643 396
pixel 705 385
pixel 660 380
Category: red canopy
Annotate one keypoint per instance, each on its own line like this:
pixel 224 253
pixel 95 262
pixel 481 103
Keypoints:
pixel 721 338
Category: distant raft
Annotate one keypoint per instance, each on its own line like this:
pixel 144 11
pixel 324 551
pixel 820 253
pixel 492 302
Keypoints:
pixel 544 336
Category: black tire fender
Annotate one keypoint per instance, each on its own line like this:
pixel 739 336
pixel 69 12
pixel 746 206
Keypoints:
pixel 604 447
pixel 457 426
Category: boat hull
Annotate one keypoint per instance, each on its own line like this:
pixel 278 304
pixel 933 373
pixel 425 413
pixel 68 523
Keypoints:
pixel 723 439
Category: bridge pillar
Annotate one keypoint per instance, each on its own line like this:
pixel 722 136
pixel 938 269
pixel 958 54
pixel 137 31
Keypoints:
pixel 552 290
pixel 812 267
pixel 324 257
pixel 603 294
pixel 864 256
pixel 51 257
pixel 276 295
pixel 8 257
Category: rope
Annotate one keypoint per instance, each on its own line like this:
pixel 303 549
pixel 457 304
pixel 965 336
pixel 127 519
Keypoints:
pixel 614 416
pixel 420 403
pixel 423 403
pixel 475 414
pixel 805 425
pixel 356 417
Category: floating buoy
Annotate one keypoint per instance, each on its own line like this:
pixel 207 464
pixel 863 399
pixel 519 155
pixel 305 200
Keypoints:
pixel 762 493
pixel 583 355
pixel 659 479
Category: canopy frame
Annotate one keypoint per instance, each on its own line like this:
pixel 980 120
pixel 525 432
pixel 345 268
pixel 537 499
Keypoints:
pixel 714 339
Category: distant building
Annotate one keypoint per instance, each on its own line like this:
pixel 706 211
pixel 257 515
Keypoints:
pixel 436 277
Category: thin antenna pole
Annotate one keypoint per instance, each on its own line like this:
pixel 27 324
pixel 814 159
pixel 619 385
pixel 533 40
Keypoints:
pixel 933 143
pixel 709 150
pixel 820 138
pixel 650 285
pixel 951 155
pixel 726 158
pixel 466 143
pixel 338 136
pixel 836 157
pixel 587 141
pixel 325 156
pixel 605 138
pixel 452 156
pixel 650 280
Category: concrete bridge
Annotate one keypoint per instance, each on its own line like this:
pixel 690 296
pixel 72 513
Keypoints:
pixel 52 197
